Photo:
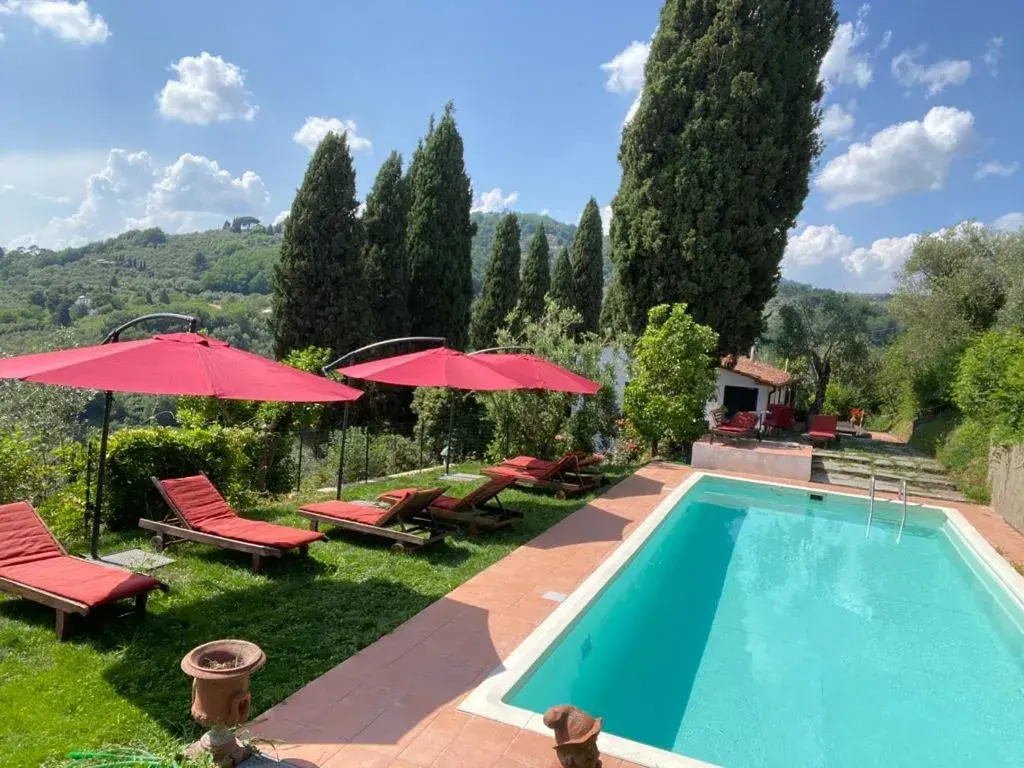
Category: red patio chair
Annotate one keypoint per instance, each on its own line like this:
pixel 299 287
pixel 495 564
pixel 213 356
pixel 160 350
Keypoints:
pixel 198 512
pixel 742 424
pixel 35 566
pixel 822 429
pixel 779 416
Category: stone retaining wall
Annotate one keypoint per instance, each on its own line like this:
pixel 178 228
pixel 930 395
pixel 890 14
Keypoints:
pixel 1006 477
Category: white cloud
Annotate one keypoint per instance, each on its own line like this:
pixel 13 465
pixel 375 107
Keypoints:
pixel 494 201
pixel 314 129
pixel 825 256
pixel 837 122
pixel 625 73
pixel 279 219
pixel 937 76
pixel 993 55
pixel 130 191
pixel 883 257
pixel 816 245
pixel 6 188
pixel 907 157
pixel 886 40
pixel 73 22
pixel 207 90
pixel 1011 222
pixel 545 212
pixel 606 219
pixel 996 168
pixel 844 63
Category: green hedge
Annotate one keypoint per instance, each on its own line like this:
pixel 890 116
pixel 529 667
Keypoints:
pixel 135 455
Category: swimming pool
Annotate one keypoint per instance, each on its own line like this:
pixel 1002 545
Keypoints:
pixel 752 624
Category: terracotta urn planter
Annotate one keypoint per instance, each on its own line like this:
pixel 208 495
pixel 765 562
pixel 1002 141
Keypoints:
pixel 220 694
pixel 575 737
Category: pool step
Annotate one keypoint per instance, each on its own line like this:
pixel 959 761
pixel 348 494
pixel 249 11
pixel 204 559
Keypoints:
pixel 921 480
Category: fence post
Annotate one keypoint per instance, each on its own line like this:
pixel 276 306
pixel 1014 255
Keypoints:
pixel 298 474
pixel 421 445
pixel 366 459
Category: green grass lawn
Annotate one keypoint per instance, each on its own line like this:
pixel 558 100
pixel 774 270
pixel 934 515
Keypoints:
pixel 117 680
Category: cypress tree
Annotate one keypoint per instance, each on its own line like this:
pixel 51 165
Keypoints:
pixel 536 280
pixel 588 266
pixel 501 285
pixel 385 255
pixel 319 296
pixel 439 236
pixel 716 160
pixel 561 280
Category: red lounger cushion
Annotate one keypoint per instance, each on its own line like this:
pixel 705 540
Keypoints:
pixel 78 580
pixel 528 463
pixel 259 532
pixel 202 506
pixel 350 511
pixel 30 555
pixel 23 536
pixel 823 426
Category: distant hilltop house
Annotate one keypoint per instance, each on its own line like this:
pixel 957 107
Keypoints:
pixel 745 384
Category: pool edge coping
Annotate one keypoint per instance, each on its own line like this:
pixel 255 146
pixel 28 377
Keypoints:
pixel 486 699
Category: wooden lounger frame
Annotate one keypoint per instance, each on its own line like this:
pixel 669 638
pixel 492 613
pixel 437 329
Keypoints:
pixel 174 528
pixel 65 606
pixel 406 534
pixel 557 482
pixel 479 517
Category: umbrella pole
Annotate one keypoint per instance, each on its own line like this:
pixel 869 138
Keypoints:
pixel 94 546
pixel 341 460
pixel 451 428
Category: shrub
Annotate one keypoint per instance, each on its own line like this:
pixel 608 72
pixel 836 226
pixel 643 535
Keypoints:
pixel 673 377
pixel 840 399
pixel 989 385
pixel 135 455
pixel 22 476
pixel 544 424
pixel 965 453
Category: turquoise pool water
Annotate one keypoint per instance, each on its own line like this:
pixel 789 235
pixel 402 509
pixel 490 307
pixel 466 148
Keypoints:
pixel 759 627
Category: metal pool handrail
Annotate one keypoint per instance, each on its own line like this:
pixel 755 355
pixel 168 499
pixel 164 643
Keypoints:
pixel 871 506
pixel 903 493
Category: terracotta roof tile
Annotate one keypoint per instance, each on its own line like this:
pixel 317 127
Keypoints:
pixel 762 372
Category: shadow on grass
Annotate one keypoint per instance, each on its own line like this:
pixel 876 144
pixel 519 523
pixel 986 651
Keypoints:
pixel 305 628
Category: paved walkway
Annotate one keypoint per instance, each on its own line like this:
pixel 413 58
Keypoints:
pixel 394 703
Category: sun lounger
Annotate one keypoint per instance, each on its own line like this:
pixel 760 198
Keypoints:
pixel 779 417
pixel 402 518
pixel 584 461
pixel 561 476
pixel 742 424
pixel 35 566
pixel 822 429
pixel 480 509
pixel 198 512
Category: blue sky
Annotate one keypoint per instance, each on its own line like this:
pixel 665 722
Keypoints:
pixel 121 114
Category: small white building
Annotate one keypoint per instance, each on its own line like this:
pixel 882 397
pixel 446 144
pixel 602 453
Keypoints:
pixel 746 385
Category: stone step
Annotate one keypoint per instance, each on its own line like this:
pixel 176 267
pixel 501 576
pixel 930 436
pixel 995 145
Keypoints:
pixel 886 485
pixel 879 459
pixel 892 474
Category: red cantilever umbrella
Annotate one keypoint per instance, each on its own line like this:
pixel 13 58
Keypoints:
pixel 177 364
pixel 437 367
pixel 538 373
pixel 170 364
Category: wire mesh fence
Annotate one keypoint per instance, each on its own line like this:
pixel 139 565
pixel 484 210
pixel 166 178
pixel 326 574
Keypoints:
pixel 373 452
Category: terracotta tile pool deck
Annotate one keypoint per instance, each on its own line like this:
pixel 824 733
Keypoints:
pixel 394 704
